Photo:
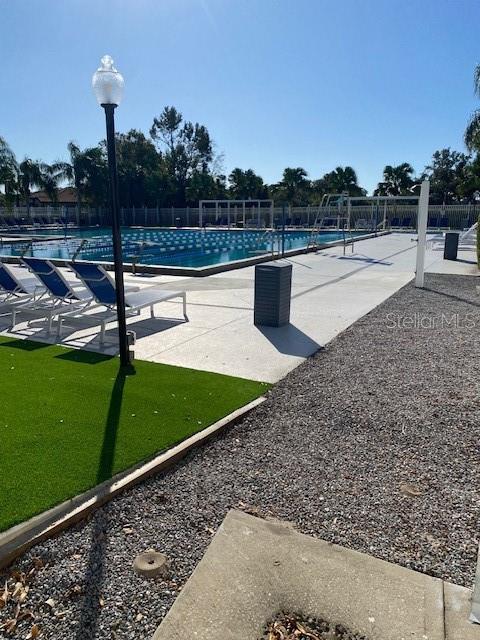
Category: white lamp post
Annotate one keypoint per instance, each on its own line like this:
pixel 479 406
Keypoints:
pixel 108 85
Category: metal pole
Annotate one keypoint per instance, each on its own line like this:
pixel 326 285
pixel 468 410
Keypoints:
pixel 116 236
pixel 283 230
pixel 422 233
pixel 65 218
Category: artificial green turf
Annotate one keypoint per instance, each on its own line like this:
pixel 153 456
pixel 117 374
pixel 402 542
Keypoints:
pixel 69 420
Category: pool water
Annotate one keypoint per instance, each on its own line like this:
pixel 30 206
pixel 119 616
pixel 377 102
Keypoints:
pixel 166 247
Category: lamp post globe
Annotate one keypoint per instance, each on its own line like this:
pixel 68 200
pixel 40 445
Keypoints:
pixel 107 84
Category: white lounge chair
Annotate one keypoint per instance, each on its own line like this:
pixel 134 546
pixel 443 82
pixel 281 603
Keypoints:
pixel 102 287
pixel 60 295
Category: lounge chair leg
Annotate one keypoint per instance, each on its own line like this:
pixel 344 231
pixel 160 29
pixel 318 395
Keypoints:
pixel 50 322
pixel 184 298
pixel 59 327
pixel 152 314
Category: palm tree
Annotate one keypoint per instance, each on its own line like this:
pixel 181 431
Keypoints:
pixel 94 172
pixel 246 184
pixel 74 171
pixel 8 170
pixel 86 171
pixel 293 186
pixel 31 174
pixel 472 132
pixel 341 180
pixel 396 180
pixel 51 176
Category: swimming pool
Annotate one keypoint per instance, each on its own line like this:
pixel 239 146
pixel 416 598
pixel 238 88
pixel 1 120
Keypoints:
pixel 165 247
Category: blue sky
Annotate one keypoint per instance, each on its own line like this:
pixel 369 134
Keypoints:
pixel 310 83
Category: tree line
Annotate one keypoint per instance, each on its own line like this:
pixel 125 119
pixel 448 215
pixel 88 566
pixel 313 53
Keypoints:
pixel 176 165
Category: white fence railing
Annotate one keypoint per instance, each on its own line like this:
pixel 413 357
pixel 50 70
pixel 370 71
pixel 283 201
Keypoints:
pixel 396 216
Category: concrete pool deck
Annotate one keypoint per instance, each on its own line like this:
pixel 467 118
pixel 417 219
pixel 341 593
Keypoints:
pixel 330 291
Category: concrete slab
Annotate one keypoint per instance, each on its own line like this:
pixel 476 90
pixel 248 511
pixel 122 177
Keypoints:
pixel 254 568
pixel 330 291
pixel 475 613
pixel 458 602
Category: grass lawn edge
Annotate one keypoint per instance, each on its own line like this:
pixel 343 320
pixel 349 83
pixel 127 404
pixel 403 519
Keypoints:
pixel 71 420
pixel 17 539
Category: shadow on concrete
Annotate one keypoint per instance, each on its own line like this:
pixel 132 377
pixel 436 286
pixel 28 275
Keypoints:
pixel 299 264
pixel 96 564
pixel 290 340
pixel 142 329
pixel 349 274
pixel 147 327
pixel 90 338
pixel 365 259
pixel 466 261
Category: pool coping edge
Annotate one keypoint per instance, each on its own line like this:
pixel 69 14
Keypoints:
pixel 210 269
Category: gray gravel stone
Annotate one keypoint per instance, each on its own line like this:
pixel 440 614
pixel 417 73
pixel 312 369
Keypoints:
pixel 372 444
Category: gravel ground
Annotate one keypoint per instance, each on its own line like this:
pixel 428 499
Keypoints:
pixel 373 444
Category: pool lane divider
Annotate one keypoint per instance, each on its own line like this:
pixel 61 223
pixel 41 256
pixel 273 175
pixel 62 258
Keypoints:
pixel 18 539
pixel 201 272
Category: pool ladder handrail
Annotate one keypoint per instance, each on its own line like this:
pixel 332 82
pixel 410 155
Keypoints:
pixel 28 247
pixel 351 241
pixel 142 246
pixel 79 248
pixel 324 206
pixel 263 239
pixel 266 234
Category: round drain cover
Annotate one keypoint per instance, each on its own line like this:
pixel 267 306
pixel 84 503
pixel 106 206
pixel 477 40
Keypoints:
pixel 150 564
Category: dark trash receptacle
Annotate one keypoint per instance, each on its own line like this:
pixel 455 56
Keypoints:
pixel 451 246
pixel 273 287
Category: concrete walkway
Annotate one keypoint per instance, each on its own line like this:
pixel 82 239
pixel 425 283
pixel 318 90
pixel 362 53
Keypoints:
pixel 253 569
pixel 330 291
